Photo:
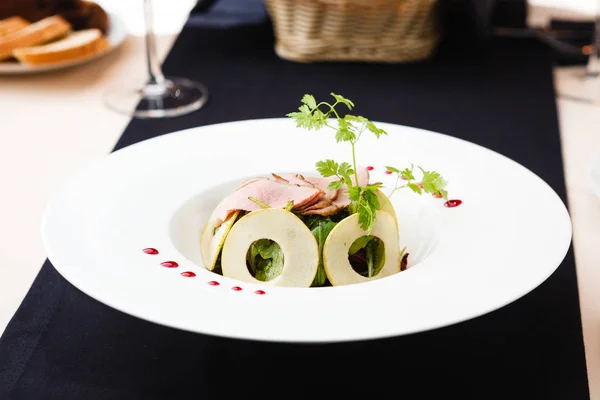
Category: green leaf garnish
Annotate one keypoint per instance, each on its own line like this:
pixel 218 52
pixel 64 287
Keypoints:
pixel 335 185
pixel 327 168
pixel 289 205
pixel 265 259
pixel 369 252
pixel 431 182
pixel 349 129
pixel 320 230
pixel 341 99
pixel 310 101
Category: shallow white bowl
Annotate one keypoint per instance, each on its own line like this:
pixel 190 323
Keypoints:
pixel 510 233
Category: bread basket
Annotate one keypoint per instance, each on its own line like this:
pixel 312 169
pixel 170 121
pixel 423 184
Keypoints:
pixel 354 30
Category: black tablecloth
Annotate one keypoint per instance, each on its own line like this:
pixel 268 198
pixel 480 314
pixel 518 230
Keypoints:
pixel 61 344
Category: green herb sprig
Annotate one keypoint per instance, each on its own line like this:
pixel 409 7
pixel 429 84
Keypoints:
pixel 431 182
pixel 349 129
pixel 313 115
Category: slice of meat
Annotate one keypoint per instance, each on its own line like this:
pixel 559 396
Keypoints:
pixel 271 192
pixel 329 210
pixel 280 179
pixel 298 180
pixel 363 176
pixel 332 200
pixel 322 203
pixel 249 181
pixel 323 183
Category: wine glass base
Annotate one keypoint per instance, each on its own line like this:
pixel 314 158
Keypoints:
pixel 594 175
pixel 171 98
pixel 577 84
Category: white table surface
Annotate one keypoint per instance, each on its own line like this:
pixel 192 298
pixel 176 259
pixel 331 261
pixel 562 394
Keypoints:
pixel 34 159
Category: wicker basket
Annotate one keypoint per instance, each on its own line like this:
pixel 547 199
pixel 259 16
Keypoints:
pixel 354 30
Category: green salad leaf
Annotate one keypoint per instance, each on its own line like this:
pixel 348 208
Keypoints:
pixel 321 227
pixel 320 232
pixel 367 251
pixel 265 259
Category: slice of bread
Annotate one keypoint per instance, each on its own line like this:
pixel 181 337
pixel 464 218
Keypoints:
pixel 76 46
pixel 35 34
pixel 12 24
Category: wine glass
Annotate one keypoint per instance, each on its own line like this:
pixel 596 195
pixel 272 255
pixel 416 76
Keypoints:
pixel 159 96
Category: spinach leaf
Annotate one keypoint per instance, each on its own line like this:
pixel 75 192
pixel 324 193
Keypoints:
pixel 376 252
pixel 360 243
pixel 321 229
pixel 265 259
pixel 369 252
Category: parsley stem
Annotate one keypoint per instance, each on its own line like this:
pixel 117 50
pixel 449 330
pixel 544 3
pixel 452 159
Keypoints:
pixel 354 164
pixel 259 203
pixel 332 107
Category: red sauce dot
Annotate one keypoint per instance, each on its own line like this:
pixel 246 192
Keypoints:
pixel 214 283
pixel 188 274
pixel 150 250
pixel 403 178
pixel 169 264
pixel 420 185
pixel 387 171
pixel 259 292
pixel 453 203
pixel 437 195
pixel 236 288
pixel 370 168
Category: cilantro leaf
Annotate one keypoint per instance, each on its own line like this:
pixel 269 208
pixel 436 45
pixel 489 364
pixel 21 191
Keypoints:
pixel 309 118
pixel 310 101
pixel 335 185
pixel 378 132
pixel 371 198
pixel 354 194
pixel 392 169
pixel 343 100
pixel 345 170
pixel 407 174
pixel 344 134
pixel 433 182
pixel 355 118
pixel 415 188
pixel 327 168
pixel 366 216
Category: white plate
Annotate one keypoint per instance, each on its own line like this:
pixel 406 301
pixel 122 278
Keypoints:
pixel 115 35
pixel 510 233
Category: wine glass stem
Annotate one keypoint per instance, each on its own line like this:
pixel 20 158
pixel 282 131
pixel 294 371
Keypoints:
pixel 593 66
pixel 155 75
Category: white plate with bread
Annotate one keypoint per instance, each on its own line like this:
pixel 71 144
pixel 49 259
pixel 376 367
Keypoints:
pixel 54 42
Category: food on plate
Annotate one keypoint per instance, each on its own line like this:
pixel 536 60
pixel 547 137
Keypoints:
pixel 296 230
pixel 80 14
pixel 282 249
pixel 34 34
pixel 12 24
pixel 78 45
pixel 38 33
pixel 347 239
